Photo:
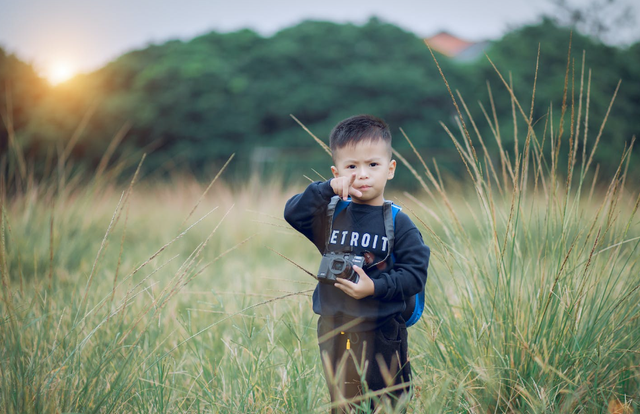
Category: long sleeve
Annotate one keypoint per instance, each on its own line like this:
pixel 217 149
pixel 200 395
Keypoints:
pixel 409 273
pixel 306 212
pixel 359 228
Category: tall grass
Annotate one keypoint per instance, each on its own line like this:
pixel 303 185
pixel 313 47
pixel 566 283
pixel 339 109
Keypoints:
pixel 534 287
pixel 169 297
pixel 125 309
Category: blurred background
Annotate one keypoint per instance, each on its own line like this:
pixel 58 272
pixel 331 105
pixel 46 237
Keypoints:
pixel 192 83
pixel 176 294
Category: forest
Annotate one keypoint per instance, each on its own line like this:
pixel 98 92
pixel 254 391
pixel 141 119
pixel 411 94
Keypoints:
pixel 191 104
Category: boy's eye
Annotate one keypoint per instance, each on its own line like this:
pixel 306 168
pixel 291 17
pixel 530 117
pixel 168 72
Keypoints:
pixel 351 167
pixel 373 164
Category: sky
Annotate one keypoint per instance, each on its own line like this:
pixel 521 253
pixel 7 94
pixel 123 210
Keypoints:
pixel 70 36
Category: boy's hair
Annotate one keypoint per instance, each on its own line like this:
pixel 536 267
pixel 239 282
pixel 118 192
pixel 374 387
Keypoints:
pixel 357 129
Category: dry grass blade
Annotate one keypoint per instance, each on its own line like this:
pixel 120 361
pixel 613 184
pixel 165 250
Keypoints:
pixel 617 244
pixel 423 206
pixel 336 331
pixel 319 175
pixel 265 214
pixel 604 121
pixel 525 164
pixel 504 161
pixel 104 161
pixel 514 118
pixel 433 180
pixel 130 295
pixel 240 312
pixel 230 249
pixel 513 96
pixel 294 263
pixel 467 136
pixel 95 262
pixel 272 224
pixel 496 133
pixel 445 248
pixel 553 286
pixel 131 184
pixel 174 285
pixel 564 95
pixel 153 256
pixel 487 157
pixel 7 118
pixel 50 252
pixel 586 125
pixel 424 164
pixel 4 268
pixel 115 277
pixel 466 158
pixel 181 284
pixel 413 171
pixel 626 168
pixel 207 190
pixel 77 133
pixel 611 190
pixel 579 116
pixel 318 140
pixel 281 279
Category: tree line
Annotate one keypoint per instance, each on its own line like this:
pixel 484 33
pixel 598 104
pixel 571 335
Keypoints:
pixel 191 104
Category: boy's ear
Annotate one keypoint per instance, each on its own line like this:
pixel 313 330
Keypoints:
pixel 392 169
pixel 334 170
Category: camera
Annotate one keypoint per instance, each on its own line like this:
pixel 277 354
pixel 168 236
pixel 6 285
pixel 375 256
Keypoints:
pixel 334 265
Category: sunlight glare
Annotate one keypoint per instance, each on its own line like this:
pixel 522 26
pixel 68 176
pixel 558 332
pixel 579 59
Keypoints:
pixel 59 72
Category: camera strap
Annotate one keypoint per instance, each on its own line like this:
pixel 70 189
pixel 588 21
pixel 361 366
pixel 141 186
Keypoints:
pixel 331 210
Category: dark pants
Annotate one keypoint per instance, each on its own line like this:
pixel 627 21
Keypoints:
pixel 378 357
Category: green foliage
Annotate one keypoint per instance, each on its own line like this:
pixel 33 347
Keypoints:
pixel 191 104
pixel 21 90
pixel 515 56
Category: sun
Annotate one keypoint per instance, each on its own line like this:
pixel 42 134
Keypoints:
pixel 59 72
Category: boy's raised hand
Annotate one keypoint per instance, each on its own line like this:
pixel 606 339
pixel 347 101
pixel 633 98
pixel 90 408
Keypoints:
pixel 343 186
pixel 359 290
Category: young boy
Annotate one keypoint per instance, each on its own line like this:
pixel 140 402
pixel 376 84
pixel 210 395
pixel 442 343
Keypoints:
pixel 361 331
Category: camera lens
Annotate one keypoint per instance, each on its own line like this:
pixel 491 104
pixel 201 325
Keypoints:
pixel 337 265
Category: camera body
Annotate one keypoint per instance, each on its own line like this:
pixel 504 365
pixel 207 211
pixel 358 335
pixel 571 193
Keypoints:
pixel 338 264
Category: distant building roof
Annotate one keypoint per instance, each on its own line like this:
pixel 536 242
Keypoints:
pixel 456 48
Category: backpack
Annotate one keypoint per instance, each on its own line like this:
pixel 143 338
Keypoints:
pixel 415 304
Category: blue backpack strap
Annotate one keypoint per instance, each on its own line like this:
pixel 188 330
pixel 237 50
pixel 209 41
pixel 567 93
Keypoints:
pixel 342 204
pixel 417 309
pixel 417 301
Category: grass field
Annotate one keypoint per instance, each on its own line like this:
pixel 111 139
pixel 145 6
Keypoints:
pixel 172 297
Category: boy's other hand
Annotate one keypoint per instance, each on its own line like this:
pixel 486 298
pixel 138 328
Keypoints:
pixel 343 186
pixel 359 290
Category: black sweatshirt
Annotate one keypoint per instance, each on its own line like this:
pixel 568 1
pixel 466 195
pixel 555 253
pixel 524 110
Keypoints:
pixel 361 227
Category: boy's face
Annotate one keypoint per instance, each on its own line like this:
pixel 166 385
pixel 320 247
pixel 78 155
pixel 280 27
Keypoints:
pixel 370 161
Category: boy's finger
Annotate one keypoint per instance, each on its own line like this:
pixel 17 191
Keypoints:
pixel 345 286
pixel 345 190
pixel 359 270
pixel 338 285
